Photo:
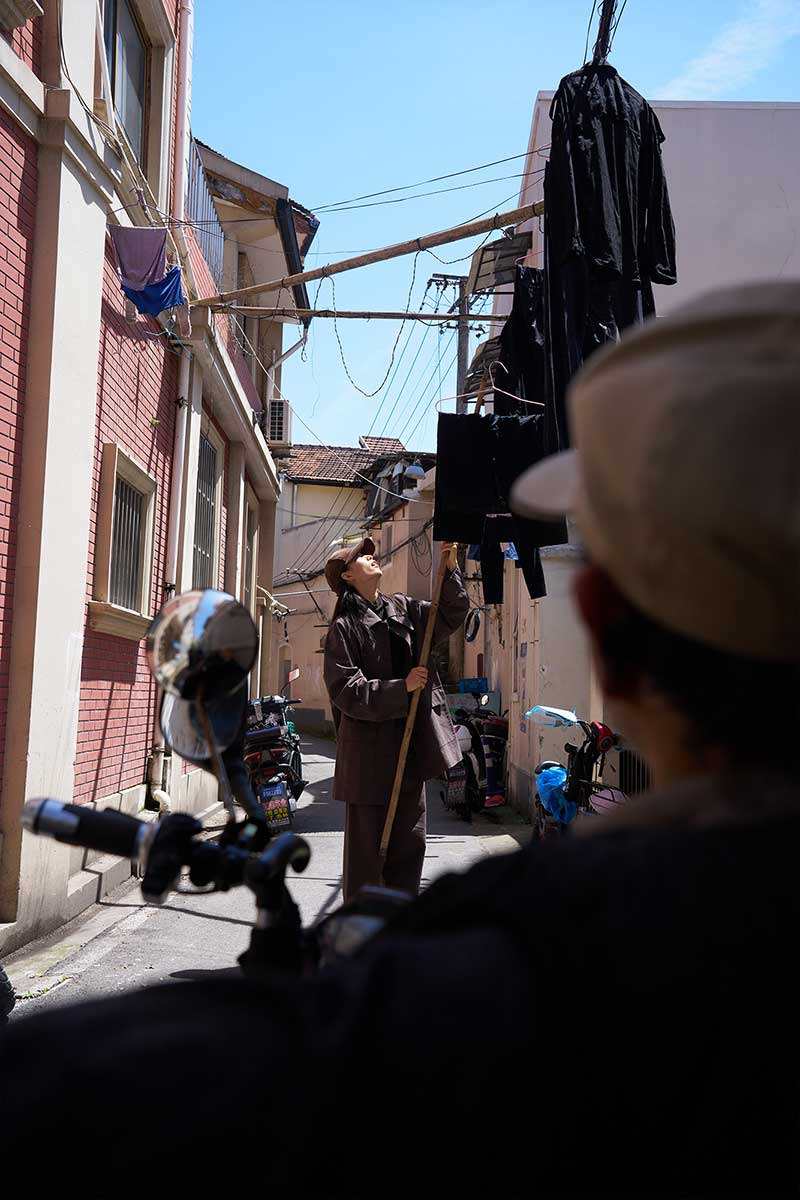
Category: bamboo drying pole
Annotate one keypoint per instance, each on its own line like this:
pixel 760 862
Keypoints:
pixel 412 711
pixel 349 314
pixel 513 217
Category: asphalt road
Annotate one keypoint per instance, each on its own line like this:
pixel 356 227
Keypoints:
pixel 122 944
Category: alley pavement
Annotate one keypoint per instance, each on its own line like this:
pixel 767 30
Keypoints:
pixel 122 944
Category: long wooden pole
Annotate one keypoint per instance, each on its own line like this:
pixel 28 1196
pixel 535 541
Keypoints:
pixel 513 217
pixel 412 710
pixel 355 315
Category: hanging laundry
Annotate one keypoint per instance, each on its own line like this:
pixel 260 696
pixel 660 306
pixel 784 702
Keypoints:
pixel 141 255
pixel 612 205
pixel 521 367
pixel 479 457
pixel 609 232
pixel 157 297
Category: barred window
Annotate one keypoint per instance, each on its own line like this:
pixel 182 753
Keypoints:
pixel 206 515
pixel 127 545
pixel 122 583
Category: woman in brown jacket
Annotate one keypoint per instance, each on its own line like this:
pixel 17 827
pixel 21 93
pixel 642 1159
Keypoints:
pixel 372 646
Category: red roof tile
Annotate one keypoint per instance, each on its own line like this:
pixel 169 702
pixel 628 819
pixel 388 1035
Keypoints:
pixel 382 445
pixel 334 464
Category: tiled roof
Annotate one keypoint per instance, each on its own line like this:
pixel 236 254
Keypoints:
pixel 382 445
pixel 336 464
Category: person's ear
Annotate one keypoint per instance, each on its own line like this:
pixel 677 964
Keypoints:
pixel 605 613
pixel 347 575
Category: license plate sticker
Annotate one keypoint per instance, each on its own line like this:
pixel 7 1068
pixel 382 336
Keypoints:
pixel 275 789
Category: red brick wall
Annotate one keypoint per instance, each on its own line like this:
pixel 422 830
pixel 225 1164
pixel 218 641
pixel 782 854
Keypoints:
pixel 223 322
pixel 27 42
pixel 137 390
pixel 18 178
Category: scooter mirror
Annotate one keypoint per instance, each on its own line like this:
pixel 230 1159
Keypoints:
pixel 185 732
pixel 555 718
pixel 484 699
pixel 295 674
pixel 202 639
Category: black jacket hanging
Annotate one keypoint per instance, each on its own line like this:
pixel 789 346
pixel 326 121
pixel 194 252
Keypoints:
pixel 605 163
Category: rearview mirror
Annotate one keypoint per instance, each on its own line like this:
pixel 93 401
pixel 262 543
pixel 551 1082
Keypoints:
pixel 187 733
pixel 202 641
pixel 295 674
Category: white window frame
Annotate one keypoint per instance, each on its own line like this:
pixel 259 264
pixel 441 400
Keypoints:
pixel 103 615
pixel 210 433
pixel 153 19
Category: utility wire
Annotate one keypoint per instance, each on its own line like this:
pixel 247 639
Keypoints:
pixel 461 187
pixel 422 182
pixel 369 395
pixel 588 31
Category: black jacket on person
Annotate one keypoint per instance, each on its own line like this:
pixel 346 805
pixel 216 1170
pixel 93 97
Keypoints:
pixel 605 170
pixel 608 1013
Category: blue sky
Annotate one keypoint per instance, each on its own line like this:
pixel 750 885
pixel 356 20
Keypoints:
pixel 340 99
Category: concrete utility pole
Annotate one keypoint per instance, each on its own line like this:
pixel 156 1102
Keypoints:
pixel 462 319
pixel 461 314
pixel 463 347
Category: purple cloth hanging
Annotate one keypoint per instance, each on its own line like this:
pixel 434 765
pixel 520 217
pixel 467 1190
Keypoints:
pixel 141 255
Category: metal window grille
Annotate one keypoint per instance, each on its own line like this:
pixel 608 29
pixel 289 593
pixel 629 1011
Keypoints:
pixel 127 536
pixel 249 546
pixel 277 421
pixel 201 209
pixel 205 517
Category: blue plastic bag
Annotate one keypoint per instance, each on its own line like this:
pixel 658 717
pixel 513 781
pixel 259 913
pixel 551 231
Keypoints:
pixel 550 785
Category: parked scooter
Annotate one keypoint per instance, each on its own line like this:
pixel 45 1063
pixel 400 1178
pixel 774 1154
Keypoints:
pixel 478 782
pixel 577 789
pixel 272 756
pixel 201 649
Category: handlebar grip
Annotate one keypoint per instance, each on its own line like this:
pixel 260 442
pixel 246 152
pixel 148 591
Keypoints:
pixel 108 831
pixel 287 850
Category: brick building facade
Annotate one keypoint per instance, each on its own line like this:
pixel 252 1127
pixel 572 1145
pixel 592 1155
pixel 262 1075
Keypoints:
pixel 113 427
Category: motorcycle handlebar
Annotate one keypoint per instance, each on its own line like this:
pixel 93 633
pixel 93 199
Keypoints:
pixel 108 831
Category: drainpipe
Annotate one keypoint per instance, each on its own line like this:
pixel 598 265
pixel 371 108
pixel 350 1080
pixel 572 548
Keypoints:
pixel 276 362
pixel 270 390
pixel 160 766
